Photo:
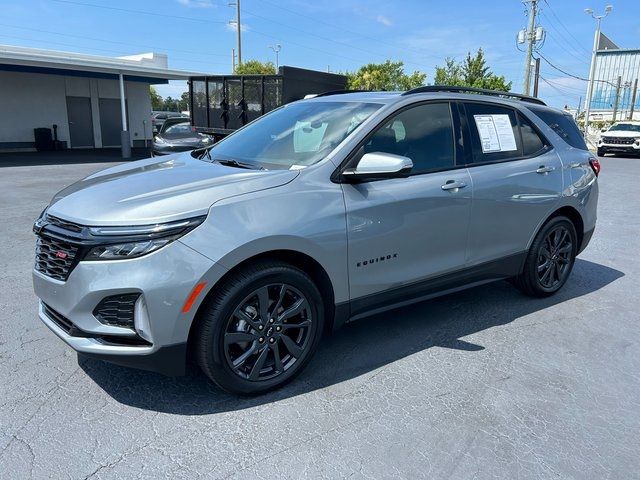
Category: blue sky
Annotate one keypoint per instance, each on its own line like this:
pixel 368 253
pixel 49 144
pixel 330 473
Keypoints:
pixel 340 35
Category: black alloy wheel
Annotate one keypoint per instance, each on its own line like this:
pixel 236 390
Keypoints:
pixel 268 332
pixel 554 257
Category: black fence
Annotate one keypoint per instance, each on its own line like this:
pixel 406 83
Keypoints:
pixel 223 103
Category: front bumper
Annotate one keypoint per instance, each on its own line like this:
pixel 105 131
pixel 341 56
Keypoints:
pixel 167 149
pixel 632 149
pixel 164 279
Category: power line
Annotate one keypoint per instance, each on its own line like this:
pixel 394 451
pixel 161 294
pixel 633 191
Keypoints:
pixel 580 47
pixel 557 89
pixel 82 37
pixel 326 39
pixel 368 37
pixel 119 52
pixel 140 12
pixel 564 71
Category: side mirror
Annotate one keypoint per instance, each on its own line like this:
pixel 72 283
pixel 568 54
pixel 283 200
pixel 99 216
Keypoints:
pixel 604 129
pixel 378 165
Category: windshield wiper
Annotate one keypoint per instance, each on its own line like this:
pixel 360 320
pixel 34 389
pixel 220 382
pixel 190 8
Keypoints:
pixel 230 162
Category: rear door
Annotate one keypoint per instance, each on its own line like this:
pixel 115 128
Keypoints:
pixel 517 181
pixel 405 230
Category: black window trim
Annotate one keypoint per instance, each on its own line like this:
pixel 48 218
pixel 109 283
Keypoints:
pixel 457 133
pixel 548 146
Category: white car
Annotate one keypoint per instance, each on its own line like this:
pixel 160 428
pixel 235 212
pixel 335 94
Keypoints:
pixel 621 137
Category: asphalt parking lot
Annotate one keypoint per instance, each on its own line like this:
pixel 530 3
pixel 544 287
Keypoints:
pixel 485 383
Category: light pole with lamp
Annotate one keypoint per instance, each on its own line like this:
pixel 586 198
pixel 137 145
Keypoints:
pixel 276 48
pixel 592 70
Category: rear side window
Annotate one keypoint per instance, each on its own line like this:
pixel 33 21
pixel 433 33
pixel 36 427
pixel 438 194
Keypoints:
pixel 494 132
pixel 532 144
pixel 563 125
pixel 423 133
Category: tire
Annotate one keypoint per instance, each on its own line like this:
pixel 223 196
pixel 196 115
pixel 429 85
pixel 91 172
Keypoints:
pixel 238 335
pixel 550 259
pixel 600 152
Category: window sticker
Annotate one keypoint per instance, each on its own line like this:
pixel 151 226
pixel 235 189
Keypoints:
pixel 496 133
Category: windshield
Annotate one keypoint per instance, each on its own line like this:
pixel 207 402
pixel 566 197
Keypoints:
pixel 183 129
pixel 297 134
pixel 629 127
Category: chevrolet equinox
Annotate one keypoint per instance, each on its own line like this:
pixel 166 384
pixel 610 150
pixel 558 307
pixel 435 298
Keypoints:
pixel 241 255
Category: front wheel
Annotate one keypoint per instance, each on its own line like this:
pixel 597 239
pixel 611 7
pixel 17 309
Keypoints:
pixel 601 152
pixel 260 328
pixel 550 259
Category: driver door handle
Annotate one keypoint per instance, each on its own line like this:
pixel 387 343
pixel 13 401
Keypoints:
pixel 454 185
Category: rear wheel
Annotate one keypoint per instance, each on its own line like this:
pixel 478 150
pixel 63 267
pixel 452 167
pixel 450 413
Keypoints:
pixel 260 328
pixel 550 258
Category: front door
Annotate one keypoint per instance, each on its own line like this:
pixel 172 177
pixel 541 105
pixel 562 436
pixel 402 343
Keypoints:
pixel 405 230
pixel 80 122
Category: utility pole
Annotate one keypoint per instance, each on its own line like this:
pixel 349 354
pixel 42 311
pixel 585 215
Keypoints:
pixel 233 60
pixel 536 78
pixel 238 30
pixel 617 98
pixel 633 99
pixel 533 12
pixel 592 70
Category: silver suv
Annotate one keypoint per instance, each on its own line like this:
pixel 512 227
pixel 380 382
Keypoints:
pixel 242 255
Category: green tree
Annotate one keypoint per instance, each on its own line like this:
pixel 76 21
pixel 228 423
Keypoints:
pixel 255 67
pixel 384 76
pixel 472 72
pixel 156 100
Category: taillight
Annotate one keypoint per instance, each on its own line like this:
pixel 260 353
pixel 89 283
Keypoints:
pixel 595 165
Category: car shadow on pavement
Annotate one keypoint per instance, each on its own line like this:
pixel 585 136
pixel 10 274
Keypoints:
pixel 358 348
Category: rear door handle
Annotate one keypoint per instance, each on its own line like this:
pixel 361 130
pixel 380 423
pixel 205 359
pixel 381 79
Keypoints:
pixel 544 169
pixel 454 185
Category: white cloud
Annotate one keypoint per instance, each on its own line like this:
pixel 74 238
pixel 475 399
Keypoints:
pixel 231 26
pixel 386 21
pixel 196 3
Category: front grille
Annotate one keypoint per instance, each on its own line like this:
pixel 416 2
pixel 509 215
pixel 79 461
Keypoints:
pixel 618 140
pixel 117 310
pixel 55 258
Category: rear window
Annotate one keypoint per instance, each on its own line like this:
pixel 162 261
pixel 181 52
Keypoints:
pixel 563 125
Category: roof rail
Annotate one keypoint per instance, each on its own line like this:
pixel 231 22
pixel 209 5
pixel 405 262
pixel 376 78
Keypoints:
pixel 482 91
pixel 337 92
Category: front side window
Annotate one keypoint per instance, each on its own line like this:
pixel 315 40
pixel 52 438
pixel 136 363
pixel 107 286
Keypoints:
pixel 299 134
pixel 423 133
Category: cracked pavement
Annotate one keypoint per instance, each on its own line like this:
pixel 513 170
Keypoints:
pixel 481 384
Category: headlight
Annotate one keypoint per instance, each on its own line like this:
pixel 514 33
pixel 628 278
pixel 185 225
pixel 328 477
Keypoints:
pixel 205 140
pixel 158 139
pixel 133 242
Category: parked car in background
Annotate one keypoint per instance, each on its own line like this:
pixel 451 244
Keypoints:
pixel 621 137
pixel 323 211
pixel 177 135
pixel 158 119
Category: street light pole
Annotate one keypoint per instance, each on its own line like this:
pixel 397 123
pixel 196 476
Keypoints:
pixel 276 48
pixel 592 70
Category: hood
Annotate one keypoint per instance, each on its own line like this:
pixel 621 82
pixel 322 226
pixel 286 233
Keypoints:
pixel 158 190
pixel 621 134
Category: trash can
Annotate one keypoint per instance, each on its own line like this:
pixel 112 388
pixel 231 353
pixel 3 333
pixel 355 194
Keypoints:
pixel 43 139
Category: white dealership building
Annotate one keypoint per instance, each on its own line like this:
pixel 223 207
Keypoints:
pixel 90 99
